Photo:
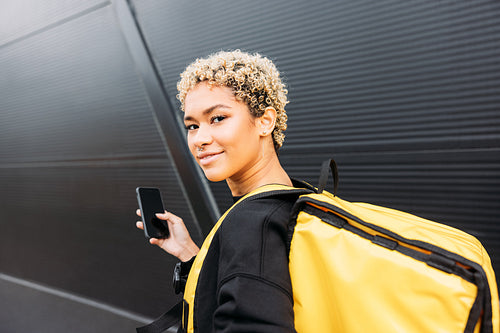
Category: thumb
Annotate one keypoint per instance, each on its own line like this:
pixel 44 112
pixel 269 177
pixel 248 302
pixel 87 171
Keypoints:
pixel 169 217
pixel 163 215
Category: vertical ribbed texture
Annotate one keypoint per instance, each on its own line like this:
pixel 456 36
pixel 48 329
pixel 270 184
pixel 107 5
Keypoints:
pixel 77 137
pixel 404 95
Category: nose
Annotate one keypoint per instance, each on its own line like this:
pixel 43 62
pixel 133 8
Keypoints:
pixel 201 138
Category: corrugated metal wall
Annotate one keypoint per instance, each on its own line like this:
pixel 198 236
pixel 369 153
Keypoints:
pixel 404 95
pixel 77 137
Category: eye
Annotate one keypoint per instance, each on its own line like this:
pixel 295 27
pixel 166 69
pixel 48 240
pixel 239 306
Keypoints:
pixel 218 119
pixel 191 127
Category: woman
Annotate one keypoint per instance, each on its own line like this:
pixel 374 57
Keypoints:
pixel 233 105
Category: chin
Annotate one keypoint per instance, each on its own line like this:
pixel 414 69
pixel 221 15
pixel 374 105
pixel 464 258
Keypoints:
pixel 214 176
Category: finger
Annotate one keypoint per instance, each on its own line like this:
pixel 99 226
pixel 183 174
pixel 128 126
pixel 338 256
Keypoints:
pixel 154 241
pixel 138 212
pixel 163 216
pixel 169 217
pixel 139 225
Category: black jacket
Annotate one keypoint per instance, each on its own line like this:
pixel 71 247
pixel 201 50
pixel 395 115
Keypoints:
pixel 244 284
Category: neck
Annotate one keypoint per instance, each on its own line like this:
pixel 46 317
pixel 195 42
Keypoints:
pixel 266 171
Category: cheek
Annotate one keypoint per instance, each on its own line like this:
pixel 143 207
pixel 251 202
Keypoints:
pixel 250 133
pixel 190 144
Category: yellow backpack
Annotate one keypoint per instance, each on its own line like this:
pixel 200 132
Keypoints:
pixel 357 267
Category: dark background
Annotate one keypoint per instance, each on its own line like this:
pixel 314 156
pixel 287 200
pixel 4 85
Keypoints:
pixel 404 95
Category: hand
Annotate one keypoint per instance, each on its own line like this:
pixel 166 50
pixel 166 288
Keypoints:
pixel 179 242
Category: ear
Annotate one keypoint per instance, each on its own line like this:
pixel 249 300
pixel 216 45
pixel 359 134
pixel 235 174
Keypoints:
pixel 267 121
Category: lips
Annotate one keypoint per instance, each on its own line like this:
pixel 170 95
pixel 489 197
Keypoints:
pixel 206 158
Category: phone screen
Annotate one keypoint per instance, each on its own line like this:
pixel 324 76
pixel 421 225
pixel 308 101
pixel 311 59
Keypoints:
pixel 150 203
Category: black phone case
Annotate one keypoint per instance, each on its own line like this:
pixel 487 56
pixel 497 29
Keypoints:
pixel 154 227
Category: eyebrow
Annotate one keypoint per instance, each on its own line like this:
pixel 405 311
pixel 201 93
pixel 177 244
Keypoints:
pixel 208 111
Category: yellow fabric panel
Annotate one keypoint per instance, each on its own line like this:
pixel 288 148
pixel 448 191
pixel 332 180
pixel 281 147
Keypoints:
pixel 413 227
pixel 349 307
pixel 331 297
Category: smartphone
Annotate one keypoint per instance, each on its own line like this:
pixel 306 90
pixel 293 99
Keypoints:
pixel 150 203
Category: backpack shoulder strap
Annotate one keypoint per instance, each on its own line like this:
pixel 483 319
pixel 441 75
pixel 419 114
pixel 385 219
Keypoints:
pixel 169 319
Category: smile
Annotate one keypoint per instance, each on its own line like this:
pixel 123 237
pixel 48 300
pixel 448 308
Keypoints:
pixel 207 158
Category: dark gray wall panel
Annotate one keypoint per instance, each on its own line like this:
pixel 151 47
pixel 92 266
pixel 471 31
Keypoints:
pixel 43 313
pixel 403 94
pixel 71 93
pixel 77 136
pixel 23 18
pixel 79 234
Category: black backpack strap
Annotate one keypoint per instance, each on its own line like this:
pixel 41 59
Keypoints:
pixel 326 167
pixel 168 319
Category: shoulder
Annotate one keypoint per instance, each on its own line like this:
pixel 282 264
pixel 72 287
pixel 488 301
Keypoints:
pixel 254 231
pixel 252 213
pixel 268 204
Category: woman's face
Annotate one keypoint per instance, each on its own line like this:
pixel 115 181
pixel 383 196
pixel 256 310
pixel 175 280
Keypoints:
pixel 222 134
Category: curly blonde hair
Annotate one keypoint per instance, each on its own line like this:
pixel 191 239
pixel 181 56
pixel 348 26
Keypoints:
pixel 253 78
